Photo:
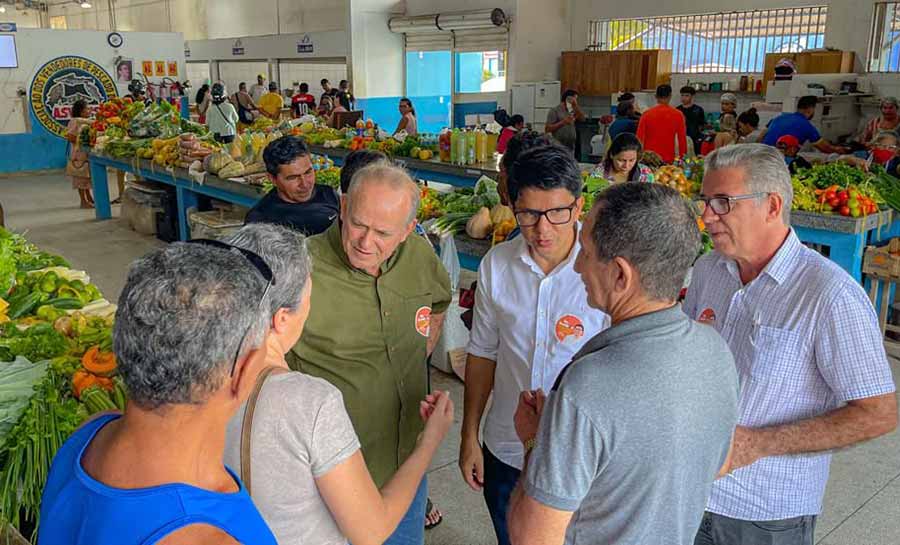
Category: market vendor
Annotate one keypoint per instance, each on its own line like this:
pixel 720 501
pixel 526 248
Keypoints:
pixel 728 104
pixel 814 376
pixel 622 161
pixel 271 103
pixel 889 120
pixel 377 310
pixel 189 326
pixel 799 125
pixel 561 120
pixel 296 201
pixel 532 278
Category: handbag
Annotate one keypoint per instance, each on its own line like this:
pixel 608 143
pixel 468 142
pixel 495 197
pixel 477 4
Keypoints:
pixel 78 169
pixel 247 424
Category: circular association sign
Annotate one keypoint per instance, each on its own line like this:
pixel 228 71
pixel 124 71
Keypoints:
pixel 62 82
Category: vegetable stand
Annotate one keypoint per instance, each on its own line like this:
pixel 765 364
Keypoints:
pixel 186 189
pixel 846 237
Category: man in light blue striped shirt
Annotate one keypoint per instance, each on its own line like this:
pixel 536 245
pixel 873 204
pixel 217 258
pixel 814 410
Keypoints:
pixel 813 372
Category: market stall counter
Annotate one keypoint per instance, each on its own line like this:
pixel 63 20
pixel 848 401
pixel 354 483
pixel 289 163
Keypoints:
pixel 187 190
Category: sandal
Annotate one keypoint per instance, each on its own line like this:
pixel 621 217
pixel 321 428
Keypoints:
pixel 432 514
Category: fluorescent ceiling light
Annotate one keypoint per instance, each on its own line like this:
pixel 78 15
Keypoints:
pixel 86 5
pixel 2 9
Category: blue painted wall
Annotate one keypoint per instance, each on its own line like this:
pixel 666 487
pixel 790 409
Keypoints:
pixel 37 150
pixel 461 110
pixel 432 112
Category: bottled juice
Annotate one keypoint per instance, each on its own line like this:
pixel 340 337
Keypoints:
pixel 463 148
pixel 470 147
pixel 480 146
pixel 492 143
pixel 454 146
pixel 444 146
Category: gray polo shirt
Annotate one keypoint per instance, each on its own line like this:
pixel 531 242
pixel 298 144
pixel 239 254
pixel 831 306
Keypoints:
pixel 635 432
pixel 566 134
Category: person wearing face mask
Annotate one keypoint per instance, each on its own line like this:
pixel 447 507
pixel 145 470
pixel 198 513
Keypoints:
pixel 799 125
pixel 814 376
pixel 883 152
pixel 376 314
pixel 532 278
pixel 622 162
pixel 889 120
pixel 296 201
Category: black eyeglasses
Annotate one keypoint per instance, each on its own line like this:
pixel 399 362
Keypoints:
pixel 556 216
pixel 722 205
pixel 260 265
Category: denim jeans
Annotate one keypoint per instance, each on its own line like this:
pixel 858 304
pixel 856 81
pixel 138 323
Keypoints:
pixel 499 481
pixel 411 530
pixel 720 530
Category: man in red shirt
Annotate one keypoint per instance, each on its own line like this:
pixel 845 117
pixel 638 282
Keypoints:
pixel 303 103
pixel 661 125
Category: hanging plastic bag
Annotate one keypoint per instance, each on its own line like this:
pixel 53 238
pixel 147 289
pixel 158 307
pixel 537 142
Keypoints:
pixel 450 259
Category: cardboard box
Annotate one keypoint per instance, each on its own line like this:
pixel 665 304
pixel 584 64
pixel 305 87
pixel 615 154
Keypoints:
pixel 883 261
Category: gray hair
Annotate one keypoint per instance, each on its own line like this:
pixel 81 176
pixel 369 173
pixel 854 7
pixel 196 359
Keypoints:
pixel 890 100
pixel 395 177
pixel 284 250
pixel 764 168
pixel 654 229
pixel 886 134
pixel 180 319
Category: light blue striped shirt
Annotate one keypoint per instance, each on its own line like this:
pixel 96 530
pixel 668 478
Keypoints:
pixel 805 340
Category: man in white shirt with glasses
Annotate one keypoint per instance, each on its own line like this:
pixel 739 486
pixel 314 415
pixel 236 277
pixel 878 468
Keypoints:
pixel 531 316
pixel 810 358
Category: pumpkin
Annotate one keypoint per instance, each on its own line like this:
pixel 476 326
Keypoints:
pixel 102 364
pixel 479 225
pixel 82 380
pixel 501 213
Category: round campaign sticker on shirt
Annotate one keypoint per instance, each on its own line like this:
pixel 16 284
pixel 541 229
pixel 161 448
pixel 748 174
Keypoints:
pixel 569 328
pixel 423 321
pixel 707 317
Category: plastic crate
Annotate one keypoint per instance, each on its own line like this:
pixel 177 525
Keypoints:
pixel 215 224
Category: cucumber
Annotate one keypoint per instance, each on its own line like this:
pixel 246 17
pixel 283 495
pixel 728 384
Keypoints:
pixel 118 394
pixel 65 303
pixel 23 306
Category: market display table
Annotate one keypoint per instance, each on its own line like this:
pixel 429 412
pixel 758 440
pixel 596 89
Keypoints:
pixel 432 170
pixel 186 189
pixel 845 237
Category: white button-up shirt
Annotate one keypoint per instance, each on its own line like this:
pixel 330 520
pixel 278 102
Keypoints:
pixel 805 340
pixel 531 324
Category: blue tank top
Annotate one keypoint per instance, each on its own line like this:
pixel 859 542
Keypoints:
pixel 79 510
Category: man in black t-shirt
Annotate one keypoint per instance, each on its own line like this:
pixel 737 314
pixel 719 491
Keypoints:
pixel 694 116
pixel 296 201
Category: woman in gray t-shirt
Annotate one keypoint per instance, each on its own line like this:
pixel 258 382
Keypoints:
pixel 309 478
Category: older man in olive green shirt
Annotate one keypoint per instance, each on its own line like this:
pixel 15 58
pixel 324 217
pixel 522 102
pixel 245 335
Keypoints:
pixel 377 307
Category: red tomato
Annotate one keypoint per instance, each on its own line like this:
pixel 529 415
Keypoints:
pixel 843 196
pixel 834 203
pixel 844 211
pixel 830 194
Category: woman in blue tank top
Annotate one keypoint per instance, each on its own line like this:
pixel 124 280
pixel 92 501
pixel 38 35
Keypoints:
pixel 190 321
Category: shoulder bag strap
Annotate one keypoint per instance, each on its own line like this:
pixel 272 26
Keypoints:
pixel 247 424
pixel 225 117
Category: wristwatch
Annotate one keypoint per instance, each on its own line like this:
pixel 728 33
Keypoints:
pixel 529 445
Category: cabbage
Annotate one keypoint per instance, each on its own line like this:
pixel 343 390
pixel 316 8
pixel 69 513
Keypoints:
pixel 17 381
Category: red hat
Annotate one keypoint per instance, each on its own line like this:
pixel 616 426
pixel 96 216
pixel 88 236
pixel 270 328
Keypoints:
pixel 788 140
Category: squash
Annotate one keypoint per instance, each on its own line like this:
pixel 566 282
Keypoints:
pixel 501 213
pixel 232 170
pixel 216 162
pixel 235 150
pixel 102 364
pixel 479 225
pixel 82 380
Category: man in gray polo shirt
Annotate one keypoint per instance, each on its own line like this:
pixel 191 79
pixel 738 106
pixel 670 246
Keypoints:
pixel 639 425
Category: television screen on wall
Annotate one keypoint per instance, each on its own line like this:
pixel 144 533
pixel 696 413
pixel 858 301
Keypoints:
pixel 8 58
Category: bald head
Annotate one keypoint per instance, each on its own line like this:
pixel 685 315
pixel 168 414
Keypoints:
pixel 385 176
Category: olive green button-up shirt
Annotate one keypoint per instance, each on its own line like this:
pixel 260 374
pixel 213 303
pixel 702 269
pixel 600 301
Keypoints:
pixel 367 336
